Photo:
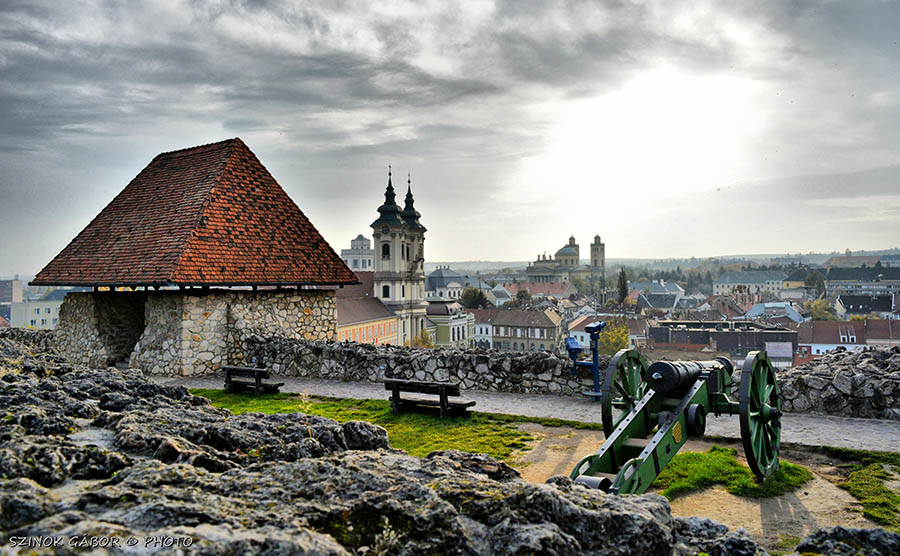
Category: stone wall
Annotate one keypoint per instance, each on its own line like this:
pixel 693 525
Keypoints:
pixel 100 328
pixel 479 369
pixel 860 383
pixel 186 332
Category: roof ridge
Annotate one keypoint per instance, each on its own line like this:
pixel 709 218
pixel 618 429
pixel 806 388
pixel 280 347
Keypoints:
pixel 200 148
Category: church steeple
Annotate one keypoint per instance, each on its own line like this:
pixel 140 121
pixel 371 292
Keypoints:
pixel 410 215
pixel 389 212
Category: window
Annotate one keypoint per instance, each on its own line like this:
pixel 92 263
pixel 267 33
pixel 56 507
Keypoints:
pixel 403 291
pixel 385 291
pixel 55 321
pixel 47 310
pixel 385 251
pixel 43 322
pixel 37 311
pixel 515 345
pixel 33 322
pixel 355 263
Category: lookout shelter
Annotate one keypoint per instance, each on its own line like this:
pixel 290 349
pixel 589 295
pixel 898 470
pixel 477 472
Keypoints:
pixel 201 249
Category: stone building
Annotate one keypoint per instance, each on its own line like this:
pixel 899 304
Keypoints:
pixel 211 249
pixel 360 256
pixel 399 278
pixel 566 266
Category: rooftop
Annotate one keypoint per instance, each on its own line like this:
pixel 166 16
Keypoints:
pixel 207 215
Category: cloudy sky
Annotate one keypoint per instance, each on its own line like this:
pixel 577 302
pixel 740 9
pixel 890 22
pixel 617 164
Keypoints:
pixel 670 129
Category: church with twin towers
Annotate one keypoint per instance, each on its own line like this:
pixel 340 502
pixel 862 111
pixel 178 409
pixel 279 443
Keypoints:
pixel 399 261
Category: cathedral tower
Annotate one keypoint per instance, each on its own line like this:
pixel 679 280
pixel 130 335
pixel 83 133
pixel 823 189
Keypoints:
pixel 399 277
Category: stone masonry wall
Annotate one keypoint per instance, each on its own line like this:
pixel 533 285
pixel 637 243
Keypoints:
pixel 859 383
pixel 99 328
pixel 197 334
pixel 186 333
pixel 479 369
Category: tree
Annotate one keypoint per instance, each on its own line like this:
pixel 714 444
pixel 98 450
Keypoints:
pixel 613 338
pixel 623 285
pixel 821 310
pixel 523 296
pixel 815 280
pixel 474 298
pixel 423 340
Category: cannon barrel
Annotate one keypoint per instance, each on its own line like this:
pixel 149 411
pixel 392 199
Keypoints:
pixel 676 377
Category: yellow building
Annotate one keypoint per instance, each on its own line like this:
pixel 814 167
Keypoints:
pixel 361 320
pixel 364 318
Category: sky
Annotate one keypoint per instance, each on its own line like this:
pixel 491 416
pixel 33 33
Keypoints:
pixel 670 129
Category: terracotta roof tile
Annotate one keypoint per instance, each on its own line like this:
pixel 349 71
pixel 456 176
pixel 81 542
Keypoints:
pixel 207 215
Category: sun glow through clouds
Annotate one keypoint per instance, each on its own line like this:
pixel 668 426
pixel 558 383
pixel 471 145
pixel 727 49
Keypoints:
pixel 662 131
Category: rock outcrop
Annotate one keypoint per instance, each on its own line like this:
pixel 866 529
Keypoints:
pixel 90 454
pixel 859 383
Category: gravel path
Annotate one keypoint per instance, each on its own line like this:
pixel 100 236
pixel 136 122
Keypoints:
pixel 797 428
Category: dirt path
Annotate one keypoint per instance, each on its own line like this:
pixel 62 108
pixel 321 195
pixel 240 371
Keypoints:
pixel 770 521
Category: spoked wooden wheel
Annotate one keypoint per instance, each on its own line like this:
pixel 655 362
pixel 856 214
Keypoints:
pixel 623 387
pixel 760 414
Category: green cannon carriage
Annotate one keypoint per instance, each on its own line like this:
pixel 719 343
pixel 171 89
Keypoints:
pixel 663 404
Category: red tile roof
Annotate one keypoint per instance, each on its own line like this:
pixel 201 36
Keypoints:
pixel 355 310
pixel 365 288
pixel 207 215
pixel 3 322
pixel 830 332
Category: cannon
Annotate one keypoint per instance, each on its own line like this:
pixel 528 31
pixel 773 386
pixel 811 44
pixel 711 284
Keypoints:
pixel 663 404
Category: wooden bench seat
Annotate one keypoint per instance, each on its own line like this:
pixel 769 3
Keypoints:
pixel 443 390
pixel 256 385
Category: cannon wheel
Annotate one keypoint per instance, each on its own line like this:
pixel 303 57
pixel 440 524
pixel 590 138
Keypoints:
pixel 623 386
pixel 760 414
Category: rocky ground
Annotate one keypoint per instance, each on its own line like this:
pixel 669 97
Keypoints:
pixel 105 456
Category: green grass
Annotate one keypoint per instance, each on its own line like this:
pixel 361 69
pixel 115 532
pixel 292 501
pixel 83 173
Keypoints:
pixel 869 473
pixel 694 471
pixel 417 433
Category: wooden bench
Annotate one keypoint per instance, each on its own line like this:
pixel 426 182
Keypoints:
pixel 257 386
pixel 443 390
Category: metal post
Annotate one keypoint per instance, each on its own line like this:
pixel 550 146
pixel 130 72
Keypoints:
pixel 595 348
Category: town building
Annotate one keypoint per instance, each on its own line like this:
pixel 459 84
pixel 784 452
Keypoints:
pixel 819 337
pixel 360 256
pixel 851 261
pixel 454 326
pixel 11 291
pixel 502 296
pixel 525 330
pixel 449 284
pixel 882 332
pixel 796 279
pixel 862 281
pixel 212 249
pixel 775 310
pixel 484 336
pixel 847 306
pixel 565 265
pixel 754 282
pixel 559 290
pixel 399 244
pixel 735 338
pixel 40 314
pixel 362 317
pixel 890 261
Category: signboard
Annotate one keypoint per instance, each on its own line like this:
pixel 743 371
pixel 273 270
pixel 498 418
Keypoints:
pixel 781 350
